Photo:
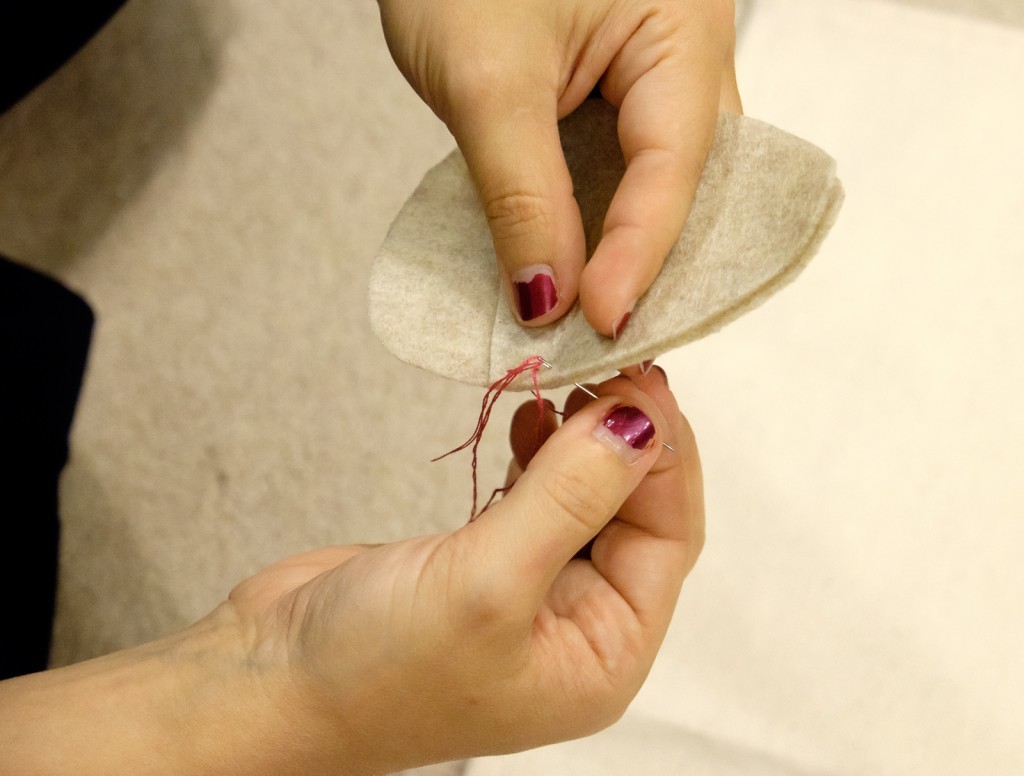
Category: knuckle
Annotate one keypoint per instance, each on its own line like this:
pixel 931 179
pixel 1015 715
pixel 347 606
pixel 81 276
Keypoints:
pixel 720 16
pixel 717 14
pixel 570 494
pixel 477 82
pixel 513 213
pixel 711 23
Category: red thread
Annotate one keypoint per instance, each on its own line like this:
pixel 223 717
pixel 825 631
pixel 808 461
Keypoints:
pixel 533 365
pixel 494 495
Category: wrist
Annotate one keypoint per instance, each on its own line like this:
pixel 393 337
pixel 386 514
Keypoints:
pixel 238 709
pixel 197 702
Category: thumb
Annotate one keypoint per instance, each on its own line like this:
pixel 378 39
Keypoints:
pixel 514 155
pixel 572 487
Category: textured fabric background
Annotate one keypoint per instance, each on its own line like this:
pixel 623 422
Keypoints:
pixel 216 177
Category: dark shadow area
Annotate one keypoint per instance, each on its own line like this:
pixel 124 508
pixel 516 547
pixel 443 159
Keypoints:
pixel 83 143
pixel 45 331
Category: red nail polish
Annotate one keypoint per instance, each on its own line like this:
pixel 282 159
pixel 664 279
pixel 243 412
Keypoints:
pixel 621 326
pixel 536 294
pixel 627 430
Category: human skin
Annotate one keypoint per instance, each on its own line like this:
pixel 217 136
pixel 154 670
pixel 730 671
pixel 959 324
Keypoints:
pixel 501 74
pixel 495 637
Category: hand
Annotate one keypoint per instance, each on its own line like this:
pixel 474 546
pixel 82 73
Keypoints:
pixel 355 660
pixel 492 638
pixel 500 74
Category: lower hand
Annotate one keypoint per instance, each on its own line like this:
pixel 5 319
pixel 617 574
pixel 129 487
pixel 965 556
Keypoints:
pixel 494 638
pixel 497 637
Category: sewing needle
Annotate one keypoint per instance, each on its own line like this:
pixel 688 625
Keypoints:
pixel 593 395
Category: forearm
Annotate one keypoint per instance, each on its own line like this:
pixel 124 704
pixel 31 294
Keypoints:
pixel 194 703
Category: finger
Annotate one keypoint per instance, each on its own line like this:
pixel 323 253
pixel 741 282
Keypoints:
pixel 729 99
pixel 529 429
pixel 572 487
pixel 666 82
pixel 648 549
pixel 514 155
pixel 578 399
pixel 512 473
pixel 637 370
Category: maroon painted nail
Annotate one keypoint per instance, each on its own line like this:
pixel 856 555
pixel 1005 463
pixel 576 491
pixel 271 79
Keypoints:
pixel 621 325
pixel 536 294
pixel 627 430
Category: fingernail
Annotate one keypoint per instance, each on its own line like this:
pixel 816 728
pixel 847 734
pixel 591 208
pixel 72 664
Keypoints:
pixel 535 290
pixel 621 325
pixel 636 372
pixel 628 431
pixel 645 366
pixel 664 376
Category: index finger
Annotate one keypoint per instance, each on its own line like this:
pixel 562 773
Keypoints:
pixel 667 83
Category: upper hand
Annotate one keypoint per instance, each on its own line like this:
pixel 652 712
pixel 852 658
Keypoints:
pixel 501 74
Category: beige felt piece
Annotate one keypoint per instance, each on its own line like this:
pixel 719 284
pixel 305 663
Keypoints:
pixel 765 202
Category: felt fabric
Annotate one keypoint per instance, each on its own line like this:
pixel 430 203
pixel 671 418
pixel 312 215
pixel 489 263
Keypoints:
pixel 765 202
pixel 1010 12
pixel 640 744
